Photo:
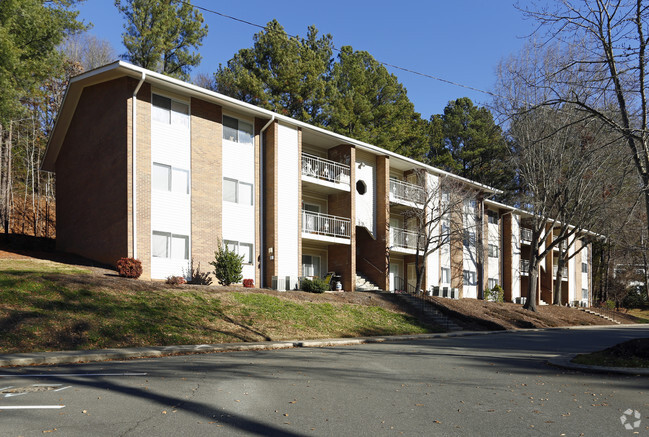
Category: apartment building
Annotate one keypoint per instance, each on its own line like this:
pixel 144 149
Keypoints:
pixel 161 170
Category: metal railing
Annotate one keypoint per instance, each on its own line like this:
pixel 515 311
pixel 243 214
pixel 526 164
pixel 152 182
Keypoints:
pixel 406 191
pixel 564 271
pixel 401 286
pixel 525 267
pixel 563 246
pixel 325 224
pixel 526 235
pixel 403 238
pixel 325 169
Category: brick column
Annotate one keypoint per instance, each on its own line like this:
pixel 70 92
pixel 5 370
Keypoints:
pixel 507 255
pixel 207 177
pixel 547 277
pixel 270 203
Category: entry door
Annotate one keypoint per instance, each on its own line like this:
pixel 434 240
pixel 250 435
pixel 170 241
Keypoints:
pixel 394 273
pixel 412 276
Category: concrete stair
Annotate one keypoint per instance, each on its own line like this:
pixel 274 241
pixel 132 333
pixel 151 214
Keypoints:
pixel 603 316
pixel 429 312
pixel 364 284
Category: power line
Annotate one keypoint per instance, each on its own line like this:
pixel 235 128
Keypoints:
pixel 386 64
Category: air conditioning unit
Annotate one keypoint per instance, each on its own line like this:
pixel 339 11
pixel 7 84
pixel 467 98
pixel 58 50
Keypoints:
pixel 455 293
pixel 292 283
pixel 445 292
pixel 520 300
pixel 278 283
pixel 434 291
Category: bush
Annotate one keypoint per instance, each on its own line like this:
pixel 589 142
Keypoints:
pixel 227 266
pixel 609 304
pixel 176 280
pixel 129 268
pixel 496 294
pixel 315 285
pixel 248 283
pixel 636 298
pixel 197 277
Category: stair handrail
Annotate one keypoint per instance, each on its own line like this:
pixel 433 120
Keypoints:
pixel 370 263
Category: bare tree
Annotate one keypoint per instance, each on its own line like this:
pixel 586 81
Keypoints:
pixel 88 51
pixel 437 216
pixel 604 74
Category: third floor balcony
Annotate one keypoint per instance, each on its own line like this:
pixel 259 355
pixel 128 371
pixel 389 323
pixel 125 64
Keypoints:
pixel 405 193
pixel 325 173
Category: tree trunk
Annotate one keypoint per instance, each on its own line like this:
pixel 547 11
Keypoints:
pixel 530 304
pixel 557 281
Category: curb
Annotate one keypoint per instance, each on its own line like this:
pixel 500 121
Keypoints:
pixel 72 357
pixel 565 362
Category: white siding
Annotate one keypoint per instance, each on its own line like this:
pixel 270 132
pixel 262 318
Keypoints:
pixel 584 276
pixel 288 180
pixel 516 256
pixel 432 261
pixel 170 212
pixel 366 203
pixel 493 264
pixel 470 253
pixel 572 273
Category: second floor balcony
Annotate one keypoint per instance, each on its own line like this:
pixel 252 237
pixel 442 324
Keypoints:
pixel 525 267
pixel 325 172
pixel 406 193
pixel 403 240
pixel 526 235
pixel 564 272
pixel 325 227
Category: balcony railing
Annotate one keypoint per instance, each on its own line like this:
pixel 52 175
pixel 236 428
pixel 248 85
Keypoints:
pixel 563 246
pixel 526 235
pixel 403 238
pixel 406 191
pixel 564 271
pixel 325 169
pixel 525 267
pixel 325 224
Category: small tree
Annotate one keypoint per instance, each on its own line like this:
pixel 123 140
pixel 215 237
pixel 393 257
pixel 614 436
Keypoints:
pixel 227 265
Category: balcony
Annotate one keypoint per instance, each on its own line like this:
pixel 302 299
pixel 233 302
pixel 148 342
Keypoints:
pixel 564 272
pixel 526 235
pixel 407 194
pixel 563 246
pixel 525 267
pixel 325 173
pixel 402 240
pixel 325 227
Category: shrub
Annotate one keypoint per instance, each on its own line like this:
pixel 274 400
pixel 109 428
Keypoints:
pixel 636 298
pixel 496 294
pixel 197 277
pixel 227 266
pixel 129 268
pixel 248 283
pixel 315 285
pixel 176 280
pixel 609 304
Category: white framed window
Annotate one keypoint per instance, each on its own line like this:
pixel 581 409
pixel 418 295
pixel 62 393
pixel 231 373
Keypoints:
pixel 237 131
pixel 168 245
pixel 245 250
pixel 446 275
pixel 491 283
pixel 167 178
pixel 311 265
pixel 168 111
pixel 470 206
pixel 584 294
pixel 469 277
pixel 446 231
pixel 237 192
pixel 469 239
pixel 584 267
pixel 493 251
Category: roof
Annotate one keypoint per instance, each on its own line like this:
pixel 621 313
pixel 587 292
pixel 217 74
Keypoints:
pixel 120 69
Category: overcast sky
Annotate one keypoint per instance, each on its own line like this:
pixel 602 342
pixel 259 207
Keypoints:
pixel 460 40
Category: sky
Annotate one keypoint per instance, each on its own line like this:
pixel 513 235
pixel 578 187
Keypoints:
pixel 459 40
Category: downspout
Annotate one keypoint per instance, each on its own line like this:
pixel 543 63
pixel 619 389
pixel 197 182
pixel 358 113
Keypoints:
pixel 133 161
pixel 261 200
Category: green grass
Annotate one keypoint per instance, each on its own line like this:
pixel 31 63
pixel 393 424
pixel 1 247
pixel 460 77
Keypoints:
pixel 603 358
pixel 642 315
pixel 57 307
pixel 39 266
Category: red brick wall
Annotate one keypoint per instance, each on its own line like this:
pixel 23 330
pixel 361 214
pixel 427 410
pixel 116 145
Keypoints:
pixel 91 175
pixel 507 254
pixel 270 203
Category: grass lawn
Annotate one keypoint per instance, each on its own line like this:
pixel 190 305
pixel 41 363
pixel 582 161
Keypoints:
pixel 49 306
pixel 640 314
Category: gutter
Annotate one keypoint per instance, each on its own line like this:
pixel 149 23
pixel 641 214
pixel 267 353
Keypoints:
pixel 134 162
pixel 261 200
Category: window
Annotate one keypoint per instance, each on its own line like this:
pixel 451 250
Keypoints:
pixel 470 206
pixel 168 178
pixel 493 251
pixel 361 187
pixel 446 275
pixel 584 294
pixel 165 110
pixel 446 231
pixel 167 245
pixel 469 239
pixel 584 267
pixel 311 265
pixel 491 283
pixel 236 130
pixel 469 277
pixel 237 192
pixel 242 249
pixel 492 217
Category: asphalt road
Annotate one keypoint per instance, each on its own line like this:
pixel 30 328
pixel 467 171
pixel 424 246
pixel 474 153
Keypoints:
pixel 495 384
